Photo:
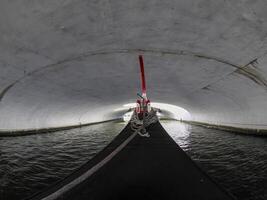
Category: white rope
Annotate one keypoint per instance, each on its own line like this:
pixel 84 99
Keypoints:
pixel 139 126
pixel 57 194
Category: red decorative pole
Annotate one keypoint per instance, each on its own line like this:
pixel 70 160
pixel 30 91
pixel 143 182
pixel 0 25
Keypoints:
pixel 143 80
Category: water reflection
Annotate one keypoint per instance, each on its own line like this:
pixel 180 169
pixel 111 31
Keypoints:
pixel 178 131
pixel 237 162
pixel 31 163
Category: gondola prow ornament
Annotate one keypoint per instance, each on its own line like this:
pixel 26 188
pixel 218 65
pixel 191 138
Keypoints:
pixel 143 114
pixel 143 104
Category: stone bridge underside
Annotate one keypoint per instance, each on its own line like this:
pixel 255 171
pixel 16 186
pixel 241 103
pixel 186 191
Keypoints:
pixel 66 62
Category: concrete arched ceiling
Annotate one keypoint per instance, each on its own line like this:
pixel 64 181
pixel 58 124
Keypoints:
pixel 66 62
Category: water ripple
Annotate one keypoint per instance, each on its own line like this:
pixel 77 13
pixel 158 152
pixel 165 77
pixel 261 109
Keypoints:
pixel 237 162
pixel 31 163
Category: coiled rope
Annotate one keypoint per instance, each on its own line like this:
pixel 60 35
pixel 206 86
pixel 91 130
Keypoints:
pixel 139 125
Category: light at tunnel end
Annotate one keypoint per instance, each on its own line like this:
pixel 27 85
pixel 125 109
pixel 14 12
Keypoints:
pixel 166 111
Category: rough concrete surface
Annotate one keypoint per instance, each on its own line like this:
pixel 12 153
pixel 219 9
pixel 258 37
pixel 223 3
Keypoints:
pixel 62 61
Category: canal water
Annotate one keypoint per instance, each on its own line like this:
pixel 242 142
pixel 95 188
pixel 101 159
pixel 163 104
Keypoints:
pixel 29 164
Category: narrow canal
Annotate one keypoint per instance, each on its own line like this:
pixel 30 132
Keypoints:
pixel 31 163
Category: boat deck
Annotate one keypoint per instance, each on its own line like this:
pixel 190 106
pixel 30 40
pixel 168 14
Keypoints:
pixel 135 167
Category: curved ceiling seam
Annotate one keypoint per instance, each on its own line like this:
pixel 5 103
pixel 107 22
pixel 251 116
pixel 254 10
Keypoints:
pixel 3 92
pixel 253 75
pixel 114 51
pixel 249 71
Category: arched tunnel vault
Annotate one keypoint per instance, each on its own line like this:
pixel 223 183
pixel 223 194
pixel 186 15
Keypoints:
pixel 70 62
